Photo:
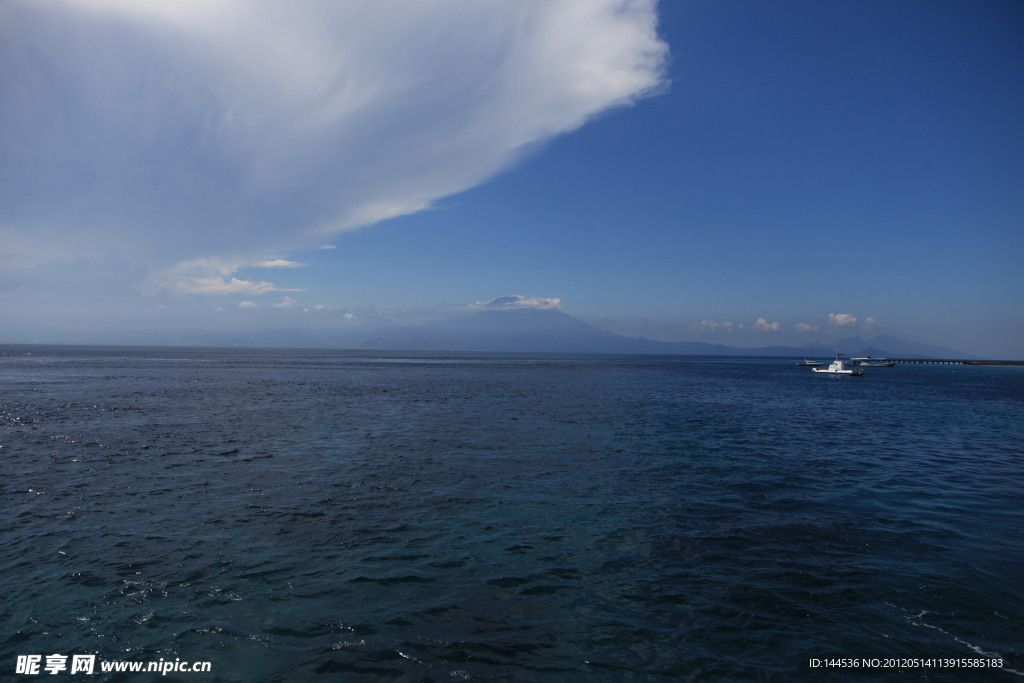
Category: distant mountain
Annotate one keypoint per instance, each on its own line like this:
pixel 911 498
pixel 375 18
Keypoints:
pixel 544 330
pixel 532 329
pixel 552 331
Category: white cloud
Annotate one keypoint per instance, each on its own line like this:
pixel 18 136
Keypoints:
pixel 762 325
pixel 213 276
pixel 286 302
pixel 277 263
pixel 271 125
pixel 869 324
pixel 248 305
pixel 219 285
pixel 842 319
pixel 517 301
pixel 715 325
pixel 333 310
pixel 805 327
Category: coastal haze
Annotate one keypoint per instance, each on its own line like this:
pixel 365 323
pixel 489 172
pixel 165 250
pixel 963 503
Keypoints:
pixel 547 331
pixel 745 174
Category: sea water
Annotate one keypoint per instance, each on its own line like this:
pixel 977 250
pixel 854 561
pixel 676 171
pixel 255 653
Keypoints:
pixel 349 516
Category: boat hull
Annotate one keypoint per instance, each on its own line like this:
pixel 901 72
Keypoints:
pixel 839 367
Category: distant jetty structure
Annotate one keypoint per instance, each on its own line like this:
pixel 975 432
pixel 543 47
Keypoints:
pixel 948 361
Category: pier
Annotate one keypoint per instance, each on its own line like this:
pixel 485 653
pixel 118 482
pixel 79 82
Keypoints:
pixel 947 361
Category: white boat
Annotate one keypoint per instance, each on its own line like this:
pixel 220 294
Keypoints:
pixel 839 367
pixel 811 363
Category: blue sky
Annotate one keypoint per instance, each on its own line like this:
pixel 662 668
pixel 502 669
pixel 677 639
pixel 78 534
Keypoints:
pixel 741 172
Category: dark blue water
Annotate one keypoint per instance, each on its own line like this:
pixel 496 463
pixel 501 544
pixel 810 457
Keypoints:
pixel 306 516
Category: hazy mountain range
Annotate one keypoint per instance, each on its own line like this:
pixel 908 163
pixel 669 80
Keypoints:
pixel 552 331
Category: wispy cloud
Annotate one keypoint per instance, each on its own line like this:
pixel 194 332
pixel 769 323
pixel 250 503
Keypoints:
pixel 286 302
pixel 219 285
pixel 805 327
pixel 716 326
pixel 516 302
pixel 173 131
pixel 846 321
pixel 214 276
pixel 762 325
pixel 277 263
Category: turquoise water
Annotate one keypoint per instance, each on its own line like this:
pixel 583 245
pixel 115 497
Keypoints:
pixel 295 515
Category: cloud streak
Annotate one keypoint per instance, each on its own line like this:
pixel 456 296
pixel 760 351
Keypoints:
pixel 515 302
pixel 277 263
pixel 219 285
pixel 715 325
pixel 187 130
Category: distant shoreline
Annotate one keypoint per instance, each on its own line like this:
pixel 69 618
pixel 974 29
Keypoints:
pixel 994 362
pixel 24 347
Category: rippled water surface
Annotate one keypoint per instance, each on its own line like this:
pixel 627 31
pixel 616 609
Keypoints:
pixel 294 516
